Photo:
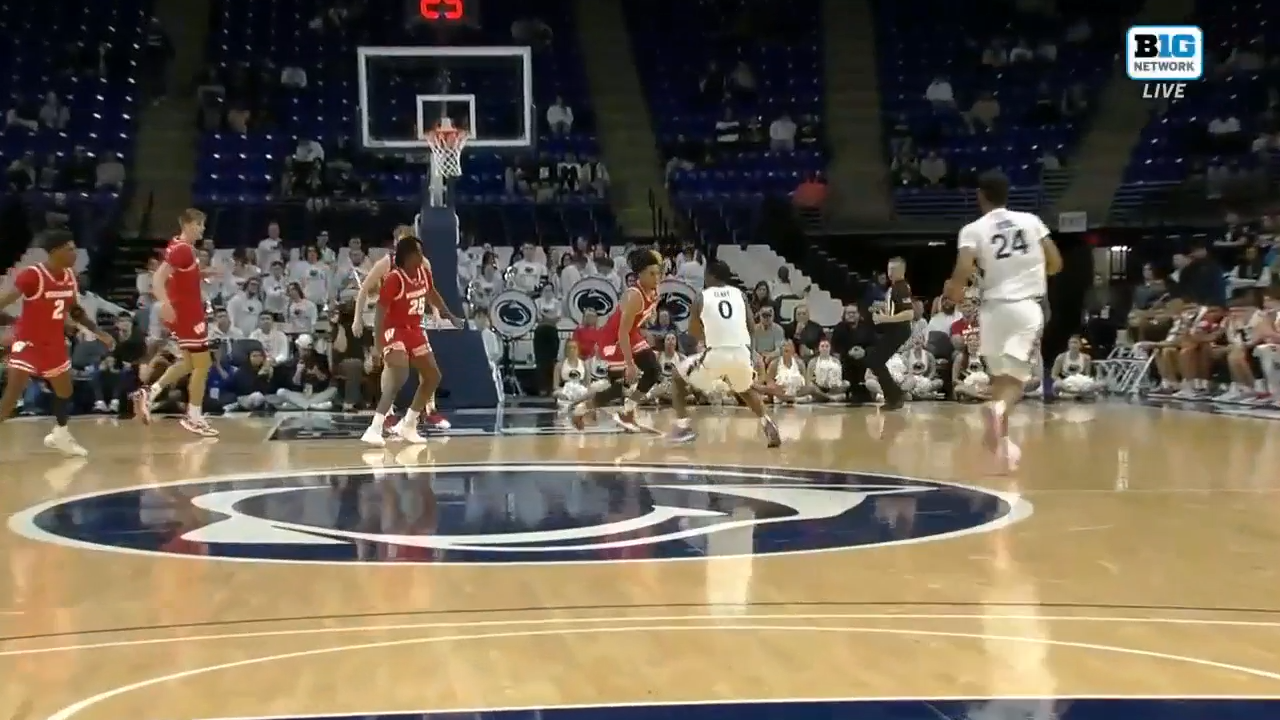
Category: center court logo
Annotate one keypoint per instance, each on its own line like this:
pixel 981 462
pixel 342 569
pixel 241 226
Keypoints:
pixel 524 514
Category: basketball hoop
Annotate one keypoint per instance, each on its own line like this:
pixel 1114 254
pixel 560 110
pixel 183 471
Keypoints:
pixel 446 144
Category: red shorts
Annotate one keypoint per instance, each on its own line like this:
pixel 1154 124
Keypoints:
pixel 189 332
pixel 409 340
pixel 37 360
pixel 612 355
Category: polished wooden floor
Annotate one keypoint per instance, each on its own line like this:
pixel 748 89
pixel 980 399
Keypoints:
pixel 1148 567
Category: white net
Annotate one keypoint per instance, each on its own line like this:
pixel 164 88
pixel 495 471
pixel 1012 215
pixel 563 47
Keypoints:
pixel 446 146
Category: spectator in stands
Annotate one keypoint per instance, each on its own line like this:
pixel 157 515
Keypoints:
pixel 87 354
pixel 904 169
pixel 251 382
pixel 742 82
pixel 301 312
pixel 293 77
pixel 1021 52
pixel 768 338
pixel 933 169
pixel 269 246
pixel 1075 101
pixel 142 282
pixel 985 111
pixel 804 332
pixel 560 117
pixel 274 289
pixel 1200 280
pixel 310 386
pixel 246 306
pixel 1151 289
pixel 1224 132
pixel 222 332
pixel 940 93
pixel 21 173
pixel 850 340
pixel 49 175
pixel 662 326
pixel 1250 274
pixel 1045 110
pixel 82 169
pixel 593 175
pixel 23 114
pixel 273 340
pixel 53 114
pixel 782 286
pixel 485 286
pixel 119 370
pixel 109 174
pixel 346 356
pixel 94 304
pixel 994 55
pixel 760 298
pixel 728 130
pixel 313 274
pixel 241 272
pixel 938 337
pixel 782 134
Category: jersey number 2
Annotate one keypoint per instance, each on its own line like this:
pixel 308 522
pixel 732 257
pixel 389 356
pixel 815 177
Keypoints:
pixel 1009 245
pixel 59 309
pixel 726 310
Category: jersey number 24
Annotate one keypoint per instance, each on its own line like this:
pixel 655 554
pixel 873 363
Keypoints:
pixel 1009 245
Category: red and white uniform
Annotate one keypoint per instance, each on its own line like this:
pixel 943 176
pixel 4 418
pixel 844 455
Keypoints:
pixel 403 297
pixel 611 331
pixel 40 337
pixel 189 327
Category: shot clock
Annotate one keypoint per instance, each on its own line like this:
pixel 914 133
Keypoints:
pixel 447 11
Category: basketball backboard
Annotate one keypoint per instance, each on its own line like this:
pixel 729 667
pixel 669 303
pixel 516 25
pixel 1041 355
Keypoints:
pixel 487 91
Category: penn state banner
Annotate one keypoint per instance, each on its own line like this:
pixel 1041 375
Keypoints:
pixel 677 297
pixel 591 294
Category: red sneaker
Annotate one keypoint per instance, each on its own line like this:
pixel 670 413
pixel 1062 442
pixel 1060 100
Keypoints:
pixel 436 421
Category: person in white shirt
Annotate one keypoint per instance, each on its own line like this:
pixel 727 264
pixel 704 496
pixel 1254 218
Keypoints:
pixel 300 314
pixel 245 307
pixel 221 331
pixel 573 272
pixel 485 287
pixel 273 340
pixel 241 272
pixel 560 117
pixel 313 275
pixel 269 246
pixel 691 267
pixel 327 255
pixel 274 285
pixel 782 134
pixel 940 92
pixel 525 275
pixel 143 280
pixel 550 308
pixel 95 305
pixel 1021 52
pixel 1016 256
pixel 1224 125
pixel 938 331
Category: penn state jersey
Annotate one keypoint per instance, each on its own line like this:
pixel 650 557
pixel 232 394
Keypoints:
pixel 573 371
pixel 1072 365
pixel 1010 253
pixel 724 317
pixel 667 363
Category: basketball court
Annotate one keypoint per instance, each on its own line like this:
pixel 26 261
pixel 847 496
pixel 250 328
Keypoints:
pixel 284 570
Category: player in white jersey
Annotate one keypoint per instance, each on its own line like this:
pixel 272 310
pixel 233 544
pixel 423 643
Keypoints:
pixel 719 320
pixel 1016 255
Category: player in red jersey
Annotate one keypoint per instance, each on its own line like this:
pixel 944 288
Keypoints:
pixel 406 293
pixel 180 303
pixel 369 287
pixel 49 296
pixel 625 349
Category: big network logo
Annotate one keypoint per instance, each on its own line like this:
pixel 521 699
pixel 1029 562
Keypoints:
pixel 1165 58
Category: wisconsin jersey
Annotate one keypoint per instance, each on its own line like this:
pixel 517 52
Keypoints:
pixel 40 336
pixel 724 318
pixel 1009 252
pixel 186 297
pixel 403 297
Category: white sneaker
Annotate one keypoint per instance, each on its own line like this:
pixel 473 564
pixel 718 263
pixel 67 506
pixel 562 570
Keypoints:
pixel 60 439
pixel 1230 395
pixel 409 433
pixel 373 436
pixel 113 406
pixel 1186 394
pixel 100 406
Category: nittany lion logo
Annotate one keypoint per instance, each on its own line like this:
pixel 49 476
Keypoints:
pixel 520 513
pixel 512 313
pixel 677 297
pixel 592 294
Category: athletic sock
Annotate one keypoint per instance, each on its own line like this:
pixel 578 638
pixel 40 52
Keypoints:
pixel 628 406
pixel 410 419
pixel 379 419
pixel 682 422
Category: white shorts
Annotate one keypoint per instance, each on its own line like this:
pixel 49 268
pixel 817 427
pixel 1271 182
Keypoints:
pixel 1007 334
pixel 730 364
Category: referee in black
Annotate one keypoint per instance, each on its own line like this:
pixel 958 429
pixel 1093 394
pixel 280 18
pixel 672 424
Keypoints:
pixel 892 317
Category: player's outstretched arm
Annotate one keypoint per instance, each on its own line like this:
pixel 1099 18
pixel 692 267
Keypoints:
pixel 368 286
pixel 80 317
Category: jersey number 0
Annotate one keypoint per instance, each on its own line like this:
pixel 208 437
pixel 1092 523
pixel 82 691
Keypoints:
pixel 726 310
pixel 1009 245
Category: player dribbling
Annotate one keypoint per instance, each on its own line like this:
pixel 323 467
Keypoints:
pixel 1016 256
pixel 719 322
